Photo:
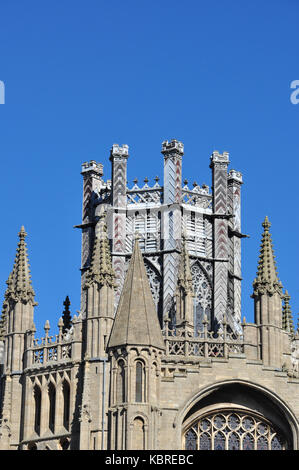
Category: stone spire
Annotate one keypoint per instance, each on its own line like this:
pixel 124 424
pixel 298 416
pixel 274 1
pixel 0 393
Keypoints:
pixel 3 320
pixel 136 321
pixel 267 277
pixel 100 270
pixel 287 318
pixel 19 285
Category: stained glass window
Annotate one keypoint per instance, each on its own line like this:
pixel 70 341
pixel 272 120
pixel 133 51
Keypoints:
pixel 219 441
pixel 234 442
pixel 191 440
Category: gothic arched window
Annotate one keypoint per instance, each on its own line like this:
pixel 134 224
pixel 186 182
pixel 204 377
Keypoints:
pixel 203 294
pixel 37 408
pixel 52 405
pixel 66 403
pixel 233 430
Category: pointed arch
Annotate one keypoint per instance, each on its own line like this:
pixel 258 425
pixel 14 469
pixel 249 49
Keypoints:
pixel 155 281
pixel 66 393
pixel 227 406
pixel 37 394
pixel 203 291
pixel 52 405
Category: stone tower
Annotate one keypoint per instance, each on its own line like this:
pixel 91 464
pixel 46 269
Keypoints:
pixel 157 357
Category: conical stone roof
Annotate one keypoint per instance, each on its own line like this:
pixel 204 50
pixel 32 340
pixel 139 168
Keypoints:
pixel 19 281
pixel 19 287
pixel 136 320
pixel 287 317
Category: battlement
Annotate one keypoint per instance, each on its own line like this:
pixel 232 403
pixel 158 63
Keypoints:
pixel 174 146
pixel 119 151
pixel 217 157
pixel 234 175
pixel 92 167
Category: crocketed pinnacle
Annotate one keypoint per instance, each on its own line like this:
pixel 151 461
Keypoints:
pixel 19 285
pixel 136 320
pixel 184 274
pixel 267 278
pixel 3 320
pixel 66 315
pixel 287 318
pixel 100 270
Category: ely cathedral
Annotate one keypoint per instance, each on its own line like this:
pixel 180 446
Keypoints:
pixel 160 356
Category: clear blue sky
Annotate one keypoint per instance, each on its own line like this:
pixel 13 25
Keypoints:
pixel 80 76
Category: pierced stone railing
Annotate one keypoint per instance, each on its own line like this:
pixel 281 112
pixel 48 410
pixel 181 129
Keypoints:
pixel 49 349
pixel 207 344
pixel 145 195
pixel 198 196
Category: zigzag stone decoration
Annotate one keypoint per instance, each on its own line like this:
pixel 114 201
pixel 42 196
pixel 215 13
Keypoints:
pixel 161 213
pixel 171 219
pixel 92 173
pixel 219 164
pixel 118 158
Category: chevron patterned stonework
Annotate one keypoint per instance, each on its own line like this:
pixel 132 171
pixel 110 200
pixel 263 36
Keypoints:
pixel 219 164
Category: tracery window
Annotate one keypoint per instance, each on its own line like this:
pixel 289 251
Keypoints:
pixel 203 295
pixel 233 430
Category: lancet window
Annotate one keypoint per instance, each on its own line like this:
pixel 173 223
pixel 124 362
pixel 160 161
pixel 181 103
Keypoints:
pixel 52 405
pixel 203 295
pixel 66 404
pixel 233 430
pixel 37 408
pixel 140 381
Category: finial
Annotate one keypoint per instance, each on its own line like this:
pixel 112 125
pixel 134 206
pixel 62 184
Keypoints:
pixel 22 233
pixel 146 180
pixel 47 327
pixel 266 224
pixel 157 179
